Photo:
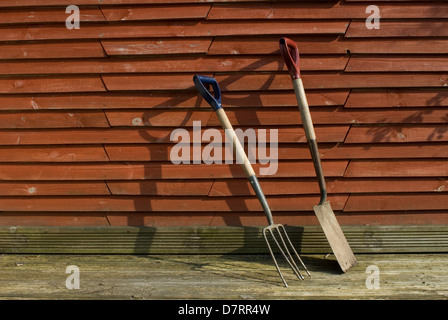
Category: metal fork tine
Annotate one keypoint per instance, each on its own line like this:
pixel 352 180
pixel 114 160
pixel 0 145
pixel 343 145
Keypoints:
pixel 283 248
pixel 273 255
pixel 294 250
pixel 291 260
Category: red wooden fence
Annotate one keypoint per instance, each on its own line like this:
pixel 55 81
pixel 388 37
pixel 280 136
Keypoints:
pixel 86 114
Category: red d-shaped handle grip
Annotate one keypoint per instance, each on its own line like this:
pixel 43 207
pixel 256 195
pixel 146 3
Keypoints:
pixel 290 54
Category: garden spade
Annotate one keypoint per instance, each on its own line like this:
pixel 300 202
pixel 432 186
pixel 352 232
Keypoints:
pixel 327 219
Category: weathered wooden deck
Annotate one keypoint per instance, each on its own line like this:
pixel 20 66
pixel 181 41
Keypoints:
pixel 401 276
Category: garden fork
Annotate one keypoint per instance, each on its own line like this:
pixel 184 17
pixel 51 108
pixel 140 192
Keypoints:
pixel 274 233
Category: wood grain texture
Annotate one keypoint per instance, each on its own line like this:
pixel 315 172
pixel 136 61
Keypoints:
pixel 392 202
pixel 163 100
pixel 161 187
pixel 130 47
pixel 51 84
pixel 397 133
pixel 154 170
pixel 290 116
pixel 324 10
pixel 53 188
pixel 156 12
pixel 26 3
pixel 397 168
pixel 51 50
pixel 169 29
pixel 324 44
pixel 398 63
pixel 399 28
pixel 248 82
pixel 397 98
pixel 331 81
pixel 285 151
pixel 42 119
pixel 237 187
pixel 333 133
pixel 160 204
pixel 85 153
pixel 167 65
pixel 54 219
pixel 47 15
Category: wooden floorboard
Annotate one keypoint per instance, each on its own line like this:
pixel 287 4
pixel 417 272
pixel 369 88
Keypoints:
pixel 404 276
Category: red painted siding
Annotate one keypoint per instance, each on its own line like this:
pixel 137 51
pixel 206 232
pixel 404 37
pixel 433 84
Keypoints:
pixel 86 115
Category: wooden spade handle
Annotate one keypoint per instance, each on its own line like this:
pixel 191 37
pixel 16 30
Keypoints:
pixel 290 54
pixel 310 136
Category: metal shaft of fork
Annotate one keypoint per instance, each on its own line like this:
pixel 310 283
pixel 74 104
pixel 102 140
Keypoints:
pixel 260 195
pixel 282 235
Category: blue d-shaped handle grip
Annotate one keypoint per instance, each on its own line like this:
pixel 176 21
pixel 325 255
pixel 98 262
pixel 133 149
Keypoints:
pixel 213 101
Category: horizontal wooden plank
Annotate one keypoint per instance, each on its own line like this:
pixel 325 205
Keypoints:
pixel 169 204
pixel 247 82
pixel 26 3
pixel 395 115
pixel 324 11
pixel 395 46
pixel 161 187
pixel 397 133
pixel 397 168
pixel 277 116
pixel 330 81
pixel 397 64
pixel 149 100
pixel 387 185
pixel 51 188
pixel 400 28
pixel 130 47
pixel 412 201
pixel 85 153
pixel 184 28
pixel 156 12
pixel 162 152
pixel 48 49
pixel 401 1
pixel 375 151
pixel 241 187
pixel 149 82
pixel 153 170
pixel 51 84
pixel 230 28
pixel 319 44
pixel 166 65
pixel 220 188
pixel 51 119
pixel 48 15
pixel 158 118
pixel 397 98
pixel 322 44
pixel 153 152
pixel 54 219
pixel 333 133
